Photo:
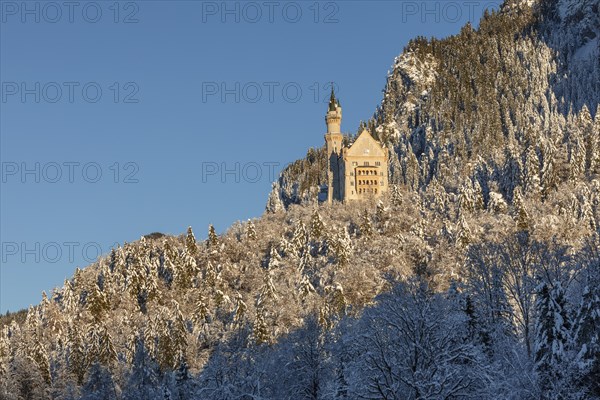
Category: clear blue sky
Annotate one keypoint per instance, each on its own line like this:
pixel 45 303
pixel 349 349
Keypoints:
pixel 162 117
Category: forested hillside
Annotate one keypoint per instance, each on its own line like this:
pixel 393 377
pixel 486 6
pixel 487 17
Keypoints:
pixel 477 276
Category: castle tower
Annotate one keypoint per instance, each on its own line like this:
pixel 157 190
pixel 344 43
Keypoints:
pixel 333 139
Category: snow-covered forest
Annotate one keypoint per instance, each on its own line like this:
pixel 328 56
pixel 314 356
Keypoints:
pixel 477 276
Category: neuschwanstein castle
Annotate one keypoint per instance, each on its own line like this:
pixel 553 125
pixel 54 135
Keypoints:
pixel 356 172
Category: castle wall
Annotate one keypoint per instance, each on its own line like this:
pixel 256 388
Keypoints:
pixel 365 177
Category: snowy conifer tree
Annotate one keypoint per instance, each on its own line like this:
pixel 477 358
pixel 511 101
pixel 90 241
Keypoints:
pixel 317 227
pixel 213 239
pixel 191 247
pixel 99 384
pixel 396 196
pixel 251 230
pixel 552 337
pixel 366 227
pixel 587 338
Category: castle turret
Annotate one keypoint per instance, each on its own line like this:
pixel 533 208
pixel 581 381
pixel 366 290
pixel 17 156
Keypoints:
pixel 334 114
pixel 333 139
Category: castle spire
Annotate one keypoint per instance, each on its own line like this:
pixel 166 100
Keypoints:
pixel 332 101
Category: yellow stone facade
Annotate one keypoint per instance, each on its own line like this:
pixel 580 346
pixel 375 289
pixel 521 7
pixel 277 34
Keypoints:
pixel 356 172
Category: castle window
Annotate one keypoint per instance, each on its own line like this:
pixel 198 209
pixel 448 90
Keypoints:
pixel 375 191
pixel 352 183
pixel 366 163
pixel 354 163
pixel 381 183
pixel 378 163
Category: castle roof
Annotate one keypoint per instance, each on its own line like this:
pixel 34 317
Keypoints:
pixel 366 145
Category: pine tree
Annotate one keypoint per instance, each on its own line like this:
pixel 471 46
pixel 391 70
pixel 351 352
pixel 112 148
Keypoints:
pixel 187 272
pixel 585 126
pixel 267 291
pixel 240 309
pixel 587 338
pixel 99 384
pixel 306 260
pixel 260 330
pixel 549 173
pixel 586 213
pixel 551 336
pixel 251 230
pixel 68 299
pixel 463 233
pixel 299 239
pixel 305 287
pixel 512 172
pixel 532 173
pixel 274 203
pixel 184 384
pixel 466 200
pixel 412 171
pixel 170 335
pixel 317 227
pixel 366 228
pixel 273 259
pixel 97 303
pixel 35 348
pixel 178 333
pixel 341 246
pixel 213 239
pixel 478 199
pixel 382 216
pixel 200 310
pixel 336 299
pixel 191 247
pixel 76 356
pixel 520 213
pixel 577 156
pixel 211 276
pixel 100 347
pixel 5 352
pixel 396 196
pixel 592 131
pixel 142 380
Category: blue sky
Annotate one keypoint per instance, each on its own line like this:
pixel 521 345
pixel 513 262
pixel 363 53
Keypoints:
pixel 117 119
